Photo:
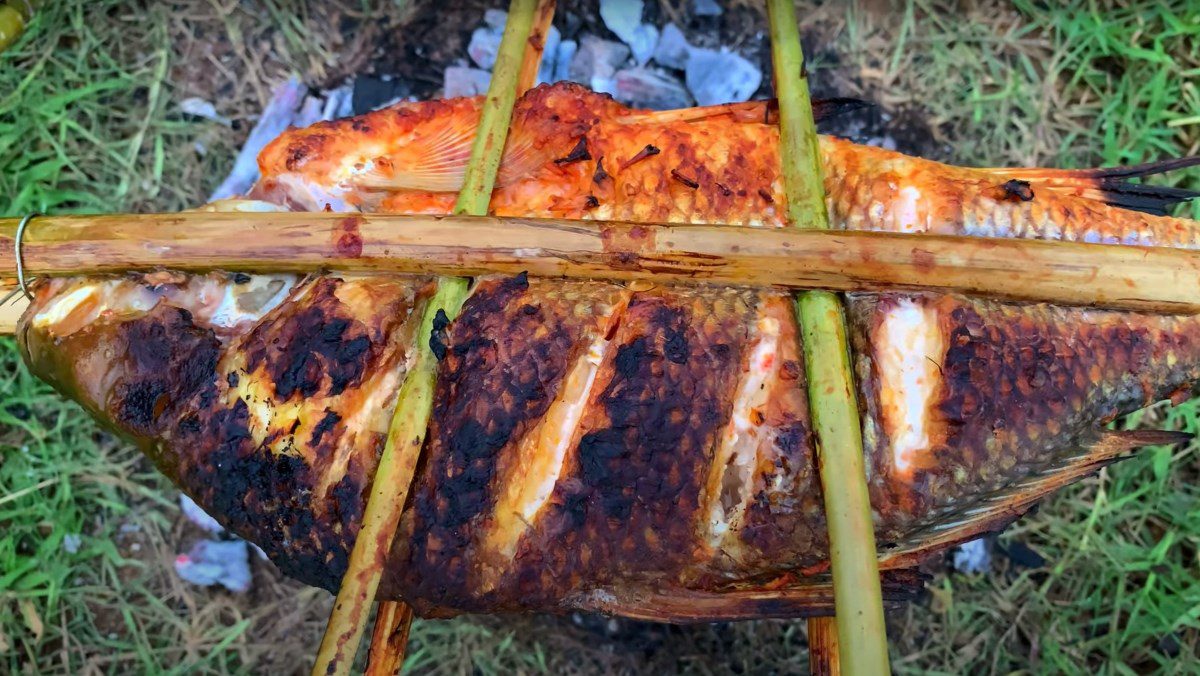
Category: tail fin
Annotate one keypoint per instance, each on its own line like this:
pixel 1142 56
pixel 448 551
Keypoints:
pixel 1110 185
pixel 996 511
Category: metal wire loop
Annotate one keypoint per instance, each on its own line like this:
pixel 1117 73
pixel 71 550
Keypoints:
pixel 21 281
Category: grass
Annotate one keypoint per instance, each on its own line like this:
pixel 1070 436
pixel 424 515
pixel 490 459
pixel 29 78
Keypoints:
pixel 89 121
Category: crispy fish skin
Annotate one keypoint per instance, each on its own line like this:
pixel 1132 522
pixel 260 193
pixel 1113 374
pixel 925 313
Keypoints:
pixel 644 452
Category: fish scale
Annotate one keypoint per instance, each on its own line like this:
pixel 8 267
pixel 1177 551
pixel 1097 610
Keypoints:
pixel 643 451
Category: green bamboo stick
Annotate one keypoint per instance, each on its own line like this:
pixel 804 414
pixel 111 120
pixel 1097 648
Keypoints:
pixel 414 402
pixel 389 489
pixel 488 147
pixel 861 633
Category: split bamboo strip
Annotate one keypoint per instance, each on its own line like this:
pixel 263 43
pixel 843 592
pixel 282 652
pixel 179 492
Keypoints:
pixel 389 642
pixel 858 601
pixel 531 62
pixel 1155 279
pixel 823 647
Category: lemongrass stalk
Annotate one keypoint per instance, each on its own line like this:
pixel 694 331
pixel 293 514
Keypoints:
pixel 861 633
pixel 488 147
pixel 389 489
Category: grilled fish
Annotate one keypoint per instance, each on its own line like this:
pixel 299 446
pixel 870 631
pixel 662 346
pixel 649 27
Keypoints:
pixel 644 451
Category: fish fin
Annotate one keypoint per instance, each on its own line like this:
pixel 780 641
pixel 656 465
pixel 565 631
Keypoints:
pixel 1110 184
pixel 786 597
pixel 750 111
pixel 996 511
pixel 437 161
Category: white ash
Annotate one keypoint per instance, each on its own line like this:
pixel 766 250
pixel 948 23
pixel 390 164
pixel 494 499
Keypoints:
pixel 596 59
pixel 643 87
pixel 706 8
pixel 484 45
pixel 216 562
pixel 624 19
pixel 716 77
pixel 464 81
pixel 972 557
pixel 673 48
pixel 199 107
pixel 196 514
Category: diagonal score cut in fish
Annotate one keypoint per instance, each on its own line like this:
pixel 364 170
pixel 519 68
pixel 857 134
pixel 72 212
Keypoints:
pixel 635 449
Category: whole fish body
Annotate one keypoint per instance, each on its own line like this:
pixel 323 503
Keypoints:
pixel 640 450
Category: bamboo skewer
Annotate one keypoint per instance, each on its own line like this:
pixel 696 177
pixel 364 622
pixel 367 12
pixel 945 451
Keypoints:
pixel 823 647
pixel 414 403
pixel 393 619
pixel 860 638
pixel 1155 279
pixel 389 489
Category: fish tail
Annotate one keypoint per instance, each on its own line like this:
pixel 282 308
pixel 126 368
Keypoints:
pixel 994 512
pixel 1112 186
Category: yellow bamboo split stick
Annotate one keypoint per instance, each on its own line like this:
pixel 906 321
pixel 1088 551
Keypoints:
pixel 861 635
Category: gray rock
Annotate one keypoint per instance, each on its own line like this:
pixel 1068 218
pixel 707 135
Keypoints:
pixel 624 19
pixel 643 87
pixel 485 43
pixel 463 81
pixel 672 49
pixel 596 60
pixel 706 8
pixel 721 77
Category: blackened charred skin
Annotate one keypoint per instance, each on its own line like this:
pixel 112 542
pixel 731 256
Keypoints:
pixel 1018 189
pixel 312 351
pixel 169 359
pixel 1021 384
pixel 437 337
pixel 509 350
pixel 630 500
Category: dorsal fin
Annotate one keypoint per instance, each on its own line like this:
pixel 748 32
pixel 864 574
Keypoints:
pixel 1109 185
pixel 996 511
pixel 437 160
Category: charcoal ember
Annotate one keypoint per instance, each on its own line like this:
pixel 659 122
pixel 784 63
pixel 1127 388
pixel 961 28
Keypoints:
pixel 464 81
pixel 643 87
pixel 721 77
